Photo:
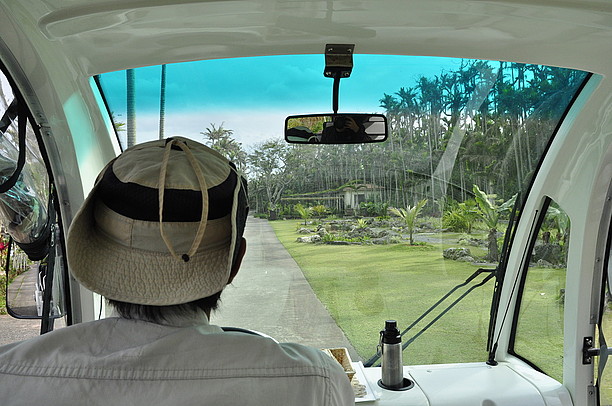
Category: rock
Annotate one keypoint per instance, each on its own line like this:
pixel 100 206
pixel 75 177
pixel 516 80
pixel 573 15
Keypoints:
pixel 357 233
pixel 379 233
pixel 305 231
pixel 466 258
pixel 427 226
pixel 338 225
pixel 384 240
pixel 474 242
pixel 309 239
pixel 551 253
pixel 543 263
pixel 321 231
pixel 456 253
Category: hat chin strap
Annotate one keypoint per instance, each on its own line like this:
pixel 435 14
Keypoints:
pixel 203 188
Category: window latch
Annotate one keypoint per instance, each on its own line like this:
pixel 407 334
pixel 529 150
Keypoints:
pixel 588 352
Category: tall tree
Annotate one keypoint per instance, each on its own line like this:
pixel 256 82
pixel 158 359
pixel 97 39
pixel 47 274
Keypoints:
pixel 216 134
pixel 221 140
pixel 162 102
pixel 272 164
pixel 498 110
pixel 131 107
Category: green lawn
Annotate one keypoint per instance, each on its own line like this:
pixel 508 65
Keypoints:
pixel 364 285
pixel 541 320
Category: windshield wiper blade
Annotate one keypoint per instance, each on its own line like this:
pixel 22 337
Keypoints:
pixel 498 273
pixel 449 307
pixel 491 273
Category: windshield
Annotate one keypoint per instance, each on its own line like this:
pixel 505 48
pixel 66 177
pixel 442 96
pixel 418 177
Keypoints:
pixel 344 237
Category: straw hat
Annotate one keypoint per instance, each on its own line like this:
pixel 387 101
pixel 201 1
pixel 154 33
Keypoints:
pixel 122 246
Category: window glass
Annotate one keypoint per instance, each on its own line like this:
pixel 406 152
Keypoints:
pixel 603 377
pixel 25 220
pixel 538 336
pixel 604 381
pixel 367 232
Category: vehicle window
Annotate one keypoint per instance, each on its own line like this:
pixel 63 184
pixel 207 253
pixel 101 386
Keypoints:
pixel 538 334
pixel 396 230
pixel 603 379
pixel 28 284
pixel 603 328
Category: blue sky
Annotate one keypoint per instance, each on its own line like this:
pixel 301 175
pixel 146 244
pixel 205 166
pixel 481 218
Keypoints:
pixel 252 96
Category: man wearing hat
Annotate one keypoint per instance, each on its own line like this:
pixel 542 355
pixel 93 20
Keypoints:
pixel 160 236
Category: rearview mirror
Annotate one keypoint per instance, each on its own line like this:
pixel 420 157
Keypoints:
pixel 351 128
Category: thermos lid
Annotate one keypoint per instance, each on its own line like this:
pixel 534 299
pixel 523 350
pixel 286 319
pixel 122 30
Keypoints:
pixel 391 335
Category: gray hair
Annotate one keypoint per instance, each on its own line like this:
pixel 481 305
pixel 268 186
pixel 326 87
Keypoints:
pixel 168 315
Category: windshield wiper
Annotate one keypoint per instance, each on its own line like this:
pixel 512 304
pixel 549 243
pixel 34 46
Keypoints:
pixel 490 274
pixel 498 273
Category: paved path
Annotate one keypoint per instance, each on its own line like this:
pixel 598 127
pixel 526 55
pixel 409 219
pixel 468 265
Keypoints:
pixel 271 295
pixel 12 330
pixel 21 292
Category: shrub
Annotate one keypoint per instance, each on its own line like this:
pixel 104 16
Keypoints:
pixel 328 238
pixel 409 216
pixel 460 217
pixel 303 212
pixel 362 223
pixel 373 209
pixel 319 210
pixel 455 220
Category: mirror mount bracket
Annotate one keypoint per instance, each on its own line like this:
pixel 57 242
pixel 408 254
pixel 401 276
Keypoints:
pixel 336 91
pixel 338 65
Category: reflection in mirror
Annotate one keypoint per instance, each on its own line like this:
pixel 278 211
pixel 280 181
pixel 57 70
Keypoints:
pixel 345 128
pixel 23 284
pixel 31 283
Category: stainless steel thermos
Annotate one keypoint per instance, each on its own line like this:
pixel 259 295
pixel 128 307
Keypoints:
pixel 392 366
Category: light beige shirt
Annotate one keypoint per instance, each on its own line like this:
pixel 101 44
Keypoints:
pixel 116 361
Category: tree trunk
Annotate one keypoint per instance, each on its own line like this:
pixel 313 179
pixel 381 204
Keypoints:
pixel 493 254
pixel 131 107
pixel 162 102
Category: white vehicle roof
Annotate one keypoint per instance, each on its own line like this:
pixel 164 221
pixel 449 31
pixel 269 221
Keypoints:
pixel 105 36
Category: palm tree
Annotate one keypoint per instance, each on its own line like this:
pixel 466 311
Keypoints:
pixel 409 215
pixel 490 213
pixel 220 139
pixel 319 210
pixel 131 107
pixel 162 102
pixel 119 125
pixel 216 134
pixel 232 150
pixel 304 212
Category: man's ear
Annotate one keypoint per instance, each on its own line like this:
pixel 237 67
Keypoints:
pixel 238 261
